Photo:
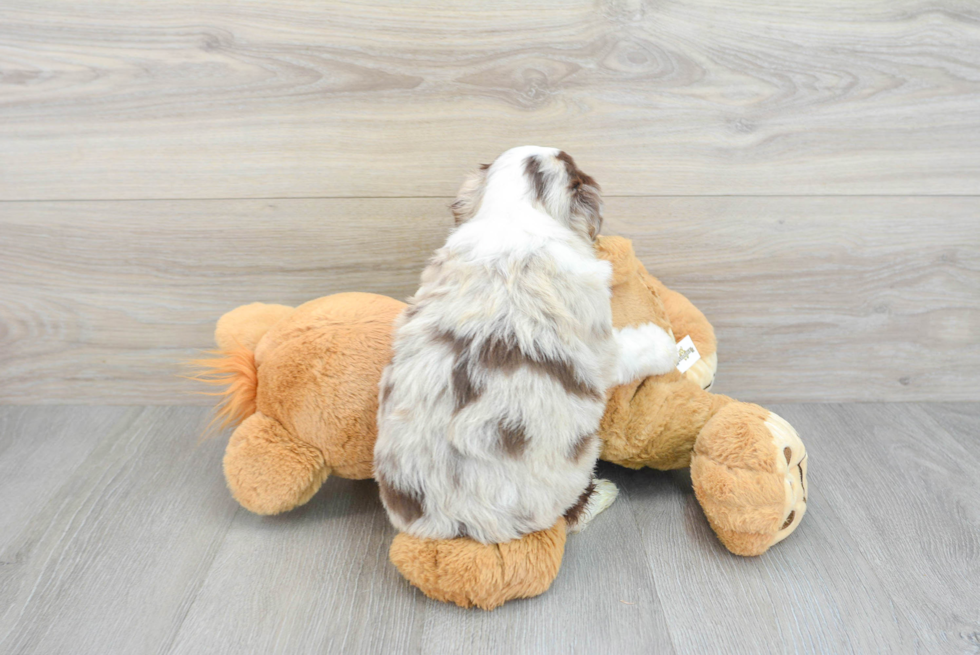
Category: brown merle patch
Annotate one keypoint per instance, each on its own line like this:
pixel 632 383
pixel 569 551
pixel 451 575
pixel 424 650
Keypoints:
pixel 465 390
pixel 585 194
pixel 406 505
pixel 573 513
pixel 538 178
pixel 464 386
pixel 564 373
pixel 513 439
pixel 576 177
pixel 502 353
pixel 581 446
pixel 409 312
pixel 386 392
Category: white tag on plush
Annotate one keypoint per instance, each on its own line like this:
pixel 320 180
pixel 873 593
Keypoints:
pixel 687 354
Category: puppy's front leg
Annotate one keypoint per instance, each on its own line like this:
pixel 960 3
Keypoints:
pixel 598 496
pixel 643 350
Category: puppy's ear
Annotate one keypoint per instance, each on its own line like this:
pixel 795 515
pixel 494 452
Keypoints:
pixel 470 195
pixel 587 202
pixel 585 195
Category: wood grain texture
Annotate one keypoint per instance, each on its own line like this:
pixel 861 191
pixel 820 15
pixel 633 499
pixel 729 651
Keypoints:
pixel 112 561
pixel 301 98
pixel 105 301
pixel 812 298
pixel 836 299
pixel 885 560
pixel 903 485
pixel 314 580
pixel 38 452
pixel 604 600
pixel 140 549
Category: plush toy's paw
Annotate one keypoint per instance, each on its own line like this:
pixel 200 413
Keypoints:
pixel 644 350
pixel 469 573
pixel 603 495
pixel 749 473
pixel 702 372
pixel 267 470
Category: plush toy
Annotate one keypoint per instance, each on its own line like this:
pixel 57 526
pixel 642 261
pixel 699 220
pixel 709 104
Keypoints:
pixel 302 387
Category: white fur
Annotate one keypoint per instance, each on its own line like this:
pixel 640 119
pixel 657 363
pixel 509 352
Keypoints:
pixel 644 350
pixel 601 499
pixel 517 274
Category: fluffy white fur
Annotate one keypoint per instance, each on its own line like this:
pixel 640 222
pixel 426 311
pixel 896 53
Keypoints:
pixel 644 350
pixel 491 402
pixel 602 498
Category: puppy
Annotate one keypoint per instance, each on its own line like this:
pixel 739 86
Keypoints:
pixel 490 405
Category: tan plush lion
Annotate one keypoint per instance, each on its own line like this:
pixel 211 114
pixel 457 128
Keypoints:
pixel 302 387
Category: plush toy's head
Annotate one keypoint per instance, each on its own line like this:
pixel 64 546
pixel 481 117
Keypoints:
pixel 748 465
pixel 633 300
pixel 638 297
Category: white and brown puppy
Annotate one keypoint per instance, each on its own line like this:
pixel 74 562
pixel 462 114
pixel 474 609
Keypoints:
pixel 490 405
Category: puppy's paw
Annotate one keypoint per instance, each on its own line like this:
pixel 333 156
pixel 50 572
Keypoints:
pixel 602 497
pixel 644 350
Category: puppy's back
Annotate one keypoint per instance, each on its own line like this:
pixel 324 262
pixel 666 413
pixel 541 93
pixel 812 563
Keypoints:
pixel 490 404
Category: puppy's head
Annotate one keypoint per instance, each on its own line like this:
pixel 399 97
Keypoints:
pixel 545 177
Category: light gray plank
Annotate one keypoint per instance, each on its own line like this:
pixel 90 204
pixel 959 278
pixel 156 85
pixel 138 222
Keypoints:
pixel 904 493
pixel 603 600
pixel 809 594
pixel 113 561
pixel 310 98
pixel 142 550
pixel 824 299
pixel 885 561
pixel 812 298
pixel 314 580
pixel 318 579
pixel 961 421
pixel 39 451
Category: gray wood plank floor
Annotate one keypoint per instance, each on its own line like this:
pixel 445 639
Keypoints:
pixel 118 536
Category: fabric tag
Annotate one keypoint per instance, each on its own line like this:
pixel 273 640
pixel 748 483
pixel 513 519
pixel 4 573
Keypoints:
pixel 687 354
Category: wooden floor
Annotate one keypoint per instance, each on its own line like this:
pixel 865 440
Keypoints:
pixel 118 536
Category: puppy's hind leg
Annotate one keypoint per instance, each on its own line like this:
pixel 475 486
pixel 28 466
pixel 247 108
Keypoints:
pixel 598 496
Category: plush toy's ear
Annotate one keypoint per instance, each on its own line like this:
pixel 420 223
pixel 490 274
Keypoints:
pixel 245 325
pixel 618 251
pixel 470 195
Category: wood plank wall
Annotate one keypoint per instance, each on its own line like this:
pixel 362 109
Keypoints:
pixel 808 173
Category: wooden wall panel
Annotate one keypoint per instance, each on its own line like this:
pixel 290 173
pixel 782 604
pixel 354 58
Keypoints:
pixel 817 299
pixel 306 98
pixel 100 301
pixel 814 299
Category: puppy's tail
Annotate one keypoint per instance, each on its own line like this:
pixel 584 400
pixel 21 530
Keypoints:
pixel 232 366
